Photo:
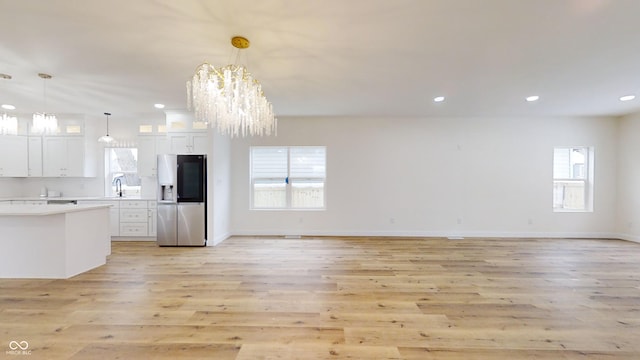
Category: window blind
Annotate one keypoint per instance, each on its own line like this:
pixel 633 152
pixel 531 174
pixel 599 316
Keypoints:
pixel 561 163
pixel 308 162
pixel 268 162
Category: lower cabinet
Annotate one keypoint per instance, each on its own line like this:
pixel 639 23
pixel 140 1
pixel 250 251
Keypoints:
pixel 134 218
pixel 130 218
pixel 152 212
pixel 114 213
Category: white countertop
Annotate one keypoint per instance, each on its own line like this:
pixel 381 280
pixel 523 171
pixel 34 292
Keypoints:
pixel 40 210
pixel 78 198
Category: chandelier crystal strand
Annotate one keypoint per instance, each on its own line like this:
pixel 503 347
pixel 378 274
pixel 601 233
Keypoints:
pixel 8 125
pixel 230 99
pixel 44 123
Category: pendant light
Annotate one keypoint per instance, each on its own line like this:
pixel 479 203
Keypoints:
pixel 8 123
pixel 43 122
pixel 106 139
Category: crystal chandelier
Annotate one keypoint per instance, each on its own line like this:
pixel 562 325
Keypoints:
pixel 231 99
pixel 44 123
pixel 8 124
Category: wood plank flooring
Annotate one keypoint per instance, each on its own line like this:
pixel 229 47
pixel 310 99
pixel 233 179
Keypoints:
pixel 337 298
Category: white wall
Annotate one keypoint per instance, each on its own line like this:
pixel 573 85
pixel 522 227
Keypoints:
pixel 436 177
pixel 628 214
pixel 9 187
pixel 411 176
pixel 219 181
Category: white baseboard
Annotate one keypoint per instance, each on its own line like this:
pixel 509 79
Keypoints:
pixel 444 234
pixel 132 238
pixel 218 239
pixel 628 237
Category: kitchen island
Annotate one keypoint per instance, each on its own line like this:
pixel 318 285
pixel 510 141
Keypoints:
pixel 52 241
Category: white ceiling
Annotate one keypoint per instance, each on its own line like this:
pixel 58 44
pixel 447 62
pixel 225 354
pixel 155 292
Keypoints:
pixel 328 57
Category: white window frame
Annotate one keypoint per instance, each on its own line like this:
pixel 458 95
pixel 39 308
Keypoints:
pixel 287 181
pixel 109 187
pixel 587 181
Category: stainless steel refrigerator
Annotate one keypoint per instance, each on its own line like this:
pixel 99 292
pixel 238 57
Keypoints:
pixel 182 200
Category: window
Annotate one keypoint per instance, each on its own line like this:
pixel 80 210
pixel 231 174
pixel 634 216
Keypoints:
pixel 121 172
pixel 573 179
pixel 288 177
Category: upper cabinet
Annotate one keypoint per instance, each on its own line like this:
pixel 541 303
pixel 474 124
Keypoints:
pixel 63 156
pixel 188 143
pixel 71 152
pixel 13 156
pixel 149 147
pixel 68 152
pixel 183 121
pixel 35 156
pixel 45 156
pixel 185 135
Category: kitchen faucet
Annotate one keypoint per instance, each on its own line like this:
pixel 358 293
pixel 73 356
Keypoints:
pixel 119 184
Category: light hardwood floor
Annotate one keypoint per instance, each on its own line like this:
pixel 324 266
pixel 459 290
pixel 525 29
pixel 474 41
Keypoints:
pixel 337 298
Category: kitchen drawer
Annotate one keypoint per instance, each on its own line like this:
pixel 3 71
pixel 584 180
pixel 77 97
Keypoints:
pixel 153 204
pixel 133 229
pixel 133 204
pixel 133 215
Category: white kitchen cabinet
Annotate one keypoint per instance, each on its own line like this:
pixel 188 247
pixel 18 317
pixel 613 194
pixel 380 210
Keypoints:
pixel 114 213
pixel 162 146
pixel 134 218
pixel 133 204
pixel 146 155
pixel 35 156
pixel 148 149
pixel 189 143
pixel 133 229
pixel 13 156
pixel 63 156
pixel 152 212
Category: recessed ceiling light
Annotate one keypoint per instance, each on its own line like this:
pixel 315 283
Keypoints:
pixel 627 97
pixel 8 107
pixel 158 106
pixel 438 99
pixel 533 98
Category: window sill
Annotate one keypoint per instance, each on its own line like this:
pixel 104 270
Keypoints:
pixel 572 211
